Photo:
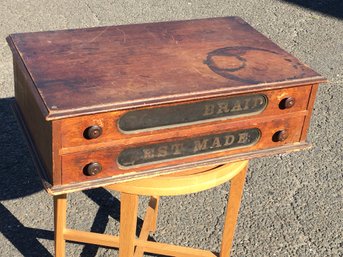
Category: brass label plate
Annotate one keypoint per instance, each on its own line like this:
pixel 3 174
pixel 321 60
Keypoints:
pixel 188 147
pixel 190 113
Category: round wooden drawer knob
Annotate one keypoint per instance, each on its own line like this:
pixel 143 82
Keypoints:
pixel 287 103
pixel 92 168
pixel 280 136
pixel 93 132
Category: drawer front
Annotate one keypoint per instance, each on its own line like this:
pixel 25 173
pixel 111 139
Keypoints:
pixel 130 159
pixel 169 121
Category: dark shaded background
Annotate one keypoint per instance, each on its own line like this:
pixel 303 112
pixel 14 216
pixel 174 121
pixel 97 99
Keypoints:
pixel 329 7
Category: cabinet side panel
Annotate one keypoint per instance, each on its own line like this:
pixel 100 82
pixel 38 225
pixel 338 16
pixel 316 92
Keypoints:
pixel 310 105
pixel 40 130
pixel 56 146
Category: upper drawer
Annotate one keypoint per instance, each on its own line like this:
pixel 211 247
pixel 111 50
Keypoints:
pixel 171 120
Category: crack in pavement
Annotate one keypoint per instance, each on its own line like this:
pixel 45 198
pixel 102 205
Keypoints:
pixel 95 16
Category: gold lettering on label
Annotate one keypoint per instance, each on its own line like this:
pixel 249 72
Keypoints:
pixel 162 151
pixel 148 153
pixel 229 140
pixel 209 109
pixel 257 101
pixel 216 143
pixel 246 104
pixel 177 148
pixel 236 107
pixel 200 145
pixel 223 108
pixel 243 138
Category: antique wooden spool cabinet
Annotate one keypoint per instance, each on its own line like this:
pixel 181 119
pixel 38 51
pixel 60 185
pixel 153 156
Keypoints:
pixel 114 103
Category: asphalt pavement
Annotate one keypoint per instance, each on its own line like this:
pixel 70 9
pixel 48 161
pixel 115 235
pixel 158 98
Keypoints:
pixel 292 204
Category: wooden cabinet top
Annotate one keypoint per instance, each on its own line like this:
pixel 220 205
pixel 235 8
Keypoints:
pixel 83 71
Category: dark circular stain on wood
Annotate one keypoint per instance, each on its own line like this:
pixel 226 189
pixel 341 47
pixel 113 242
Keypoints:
pixel 239 62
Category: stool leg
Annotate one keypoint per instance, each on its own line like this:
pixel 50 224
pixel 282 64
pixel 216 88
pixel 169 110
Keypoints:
pixel 236 190
pixel 60 216
pixel 128 224
pixel 154 202
pixel 149 224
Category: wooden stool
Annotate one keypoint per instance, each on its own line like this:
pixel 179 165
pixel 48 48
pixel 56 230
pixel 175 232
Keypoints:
pixel 186 182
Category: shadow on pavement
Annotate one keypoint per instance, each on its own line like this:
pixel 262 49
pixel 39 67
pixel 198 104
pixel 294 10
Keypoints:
pixel 108 206
pixel 19 179
pixel 329 7
pixel 17 172
pixel 23 238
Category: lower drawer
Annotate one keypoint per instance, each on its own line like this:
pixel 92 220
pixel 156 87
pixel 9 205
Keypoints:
pixel 128 161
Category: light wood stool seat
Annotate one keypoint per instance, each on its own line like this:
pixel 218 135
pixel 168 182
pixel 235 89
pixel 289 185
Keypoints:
pixel 186 182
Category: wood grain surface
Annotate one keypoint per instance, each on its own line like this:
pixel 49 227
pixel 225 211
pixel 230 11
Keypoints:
pixel 93 70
